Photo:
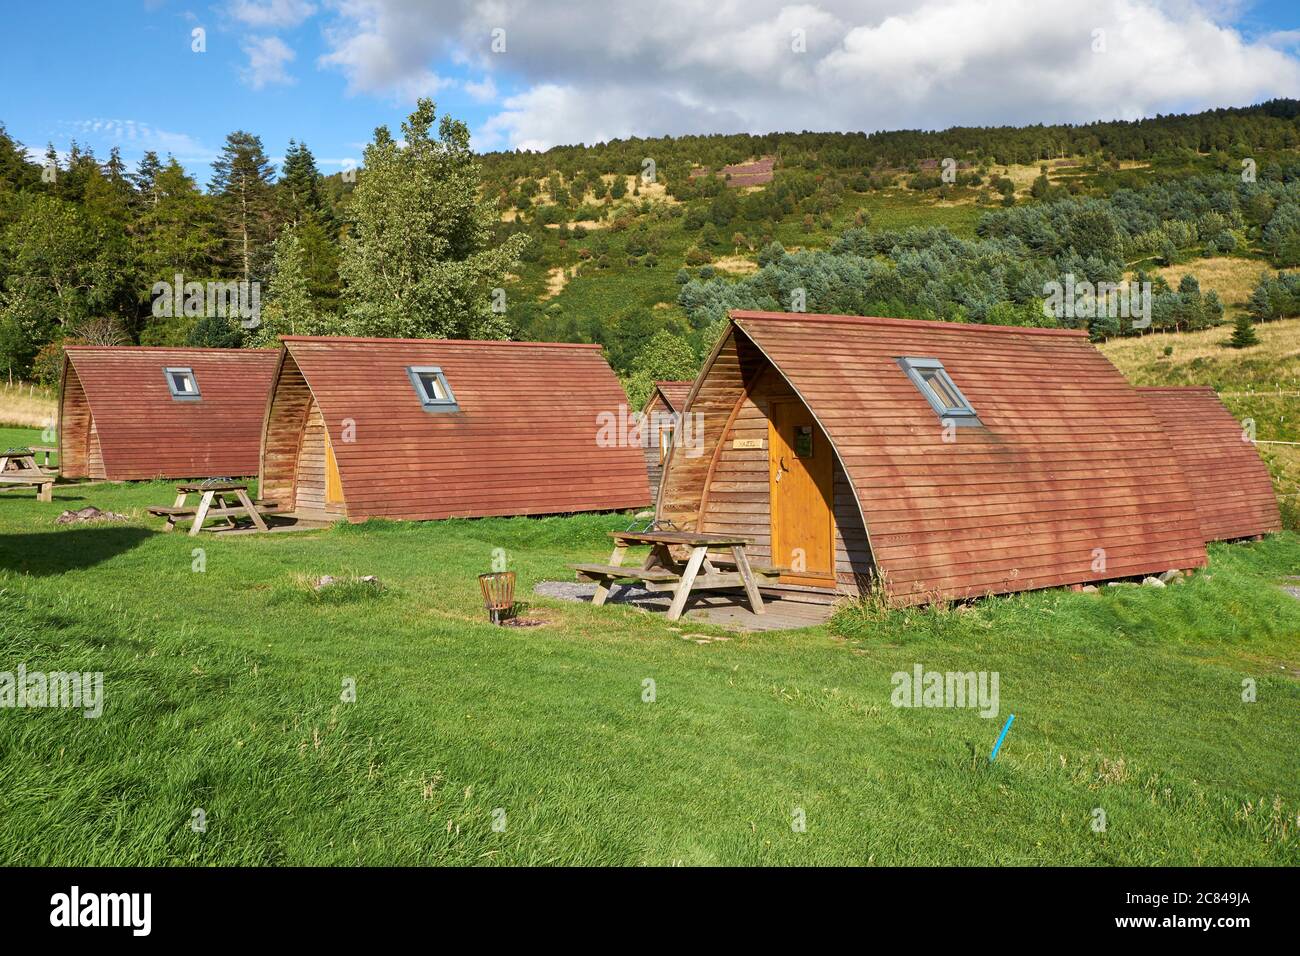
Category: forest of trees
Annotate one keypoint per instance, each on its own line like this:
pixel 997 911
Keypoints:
pixel 423 239
pixel 84 245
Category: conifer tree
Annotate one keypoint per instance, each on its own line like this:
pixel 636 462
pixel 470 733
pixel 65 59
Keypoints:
pixel 1243 333
pixel 242 178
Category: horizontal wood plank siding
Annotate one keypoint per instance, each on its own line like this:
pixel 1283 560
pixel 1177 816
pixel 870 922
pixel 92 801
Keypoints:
pixel 74 426
pixel 283 434
pixel 527 438
pixel 649 437
pixel 311 464
pixel 1231 484
pixel 144 433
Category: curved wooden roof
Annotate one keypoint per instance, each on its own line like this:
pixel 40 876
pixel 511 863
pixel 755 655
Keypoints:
pixel 674 394
pixel 524 440
pixel 1234 493
pixel 1068 457
pixel 145 433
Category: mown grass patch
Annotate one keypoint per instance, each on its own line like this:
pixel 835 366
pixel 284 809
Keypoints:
pixel 224 692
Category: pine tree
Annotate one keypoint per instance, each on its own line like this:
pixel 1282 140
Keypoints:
pixel 242 178
pixel 299 186
pixel 145 177
pixel 176 231
pixel 16 171
pixel 1243 333
pixel 107 192
pixel 290 308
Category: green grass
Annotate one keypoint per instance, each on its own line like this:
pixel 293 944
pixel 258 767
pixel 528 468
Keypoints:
pixel 223 693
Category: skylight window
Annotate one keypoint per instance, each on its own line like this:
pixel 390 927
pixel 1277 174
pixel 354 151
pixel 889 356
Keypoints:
pixel 431 385
pixel 182 384
pixel 934 382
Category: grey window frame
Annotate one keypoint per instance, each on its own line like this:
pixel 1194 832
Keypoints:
pixel 963 414
pixel 169 371
pixel 429 403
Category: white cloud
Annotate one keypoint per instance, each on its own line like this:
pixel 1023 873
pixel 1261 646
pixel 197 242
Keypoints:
pixel 589 70
pixel 136 136
pixel 484 91
pixel 271 14
pixel 386 48
pixel 267 59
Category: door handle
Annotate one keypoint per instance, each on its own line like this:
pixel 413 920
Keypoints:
pixel 781 468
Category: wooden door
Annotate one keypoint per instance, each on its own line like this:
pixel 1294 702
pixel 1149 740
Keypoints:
pixel 333 484
pixel 800 475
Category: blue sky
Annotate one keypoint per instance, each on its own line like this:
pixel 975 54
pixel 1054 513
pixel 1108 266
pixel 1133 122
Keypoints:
pixel 128 66
pixel 328 71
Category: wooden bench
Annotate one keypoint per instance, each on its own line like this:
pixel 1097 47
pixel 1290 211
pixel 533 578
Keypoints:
pixel 610 572
pixel 663 572
pixel 43 483
pixel 265 507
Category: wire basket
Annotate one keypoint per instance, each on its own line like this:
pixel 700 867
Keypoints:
pixel 498 594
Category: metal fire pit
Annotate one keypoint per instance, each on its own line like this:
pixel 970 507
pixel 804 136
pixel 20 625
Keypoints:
pixel 498 594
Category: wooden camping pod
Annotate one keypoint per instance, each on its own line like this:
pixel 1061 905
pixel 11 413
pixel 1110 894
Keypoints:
pixel 1229 481
pixel 346 431
pixel 1065 477
pixel 119 418
pixel 664 407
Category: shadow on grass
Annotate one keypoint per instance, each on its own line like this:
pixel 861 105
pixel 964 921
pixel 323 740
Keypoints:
pixel 53 552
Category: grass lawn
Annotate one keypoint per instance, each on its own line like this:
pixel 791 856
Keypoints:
pixel 223 687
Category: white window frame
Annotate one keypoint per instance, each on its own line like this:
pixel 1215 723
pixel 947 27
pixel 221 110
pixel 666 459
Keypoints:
pixel 963 414
pixel 432 403
pixel 180 396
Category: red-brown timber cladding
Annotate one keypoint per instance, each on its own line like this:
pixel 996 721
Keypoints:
pixel 675 394
pixel 1230 482
pixel 1068 458
pixel 667 398
pixel 524 441
pixel 143 432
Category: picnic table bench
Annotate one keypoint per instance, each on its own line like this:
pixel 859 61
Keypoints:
pixel 45 451
pixel 18 467
pixel 662 571
pixel 217 499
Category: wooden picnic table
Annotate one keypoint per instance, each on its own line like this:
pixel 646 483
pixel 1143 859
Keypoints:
pixel 18 467
pixel 45 451
pixel 217 499
pixel 665 572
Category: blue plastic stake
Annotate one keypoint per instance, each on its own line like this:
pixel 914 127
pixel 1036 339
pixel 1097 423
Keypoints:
pixel 1001 737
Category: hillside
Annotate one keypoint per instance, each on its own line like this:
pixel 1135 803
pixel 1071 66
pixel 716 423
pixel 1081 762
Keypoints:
pixel 614 242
